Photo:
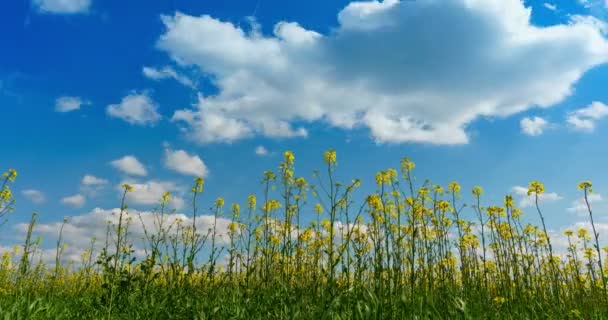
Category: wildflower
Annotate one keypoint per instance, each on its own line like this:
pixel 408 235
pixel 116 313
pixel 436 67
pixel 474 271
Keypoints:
pixel 454 187
pixel 536 187
pixel 269 175
pixel 438 189
pixel 477 191
pixel 199 184
pixel 589 253
pixel 219 202
pixel 11 175
pixel 301 182
pixel 271 205
pixel 407 165
pixel 583 233
pixel 165 198
pixel 319 209
pixel 444 206
pixel 585 185
pixel 236 210
pixel 251 201
pixel 289 158
pixel 329 157
pixel 499 301
pixel 568 233
pixel 232 227
pixel 375 202
pixel 127 187
pixel 509 201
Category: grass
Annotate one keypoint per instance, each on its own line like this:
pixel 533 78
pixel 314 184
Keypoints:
pixel 404 252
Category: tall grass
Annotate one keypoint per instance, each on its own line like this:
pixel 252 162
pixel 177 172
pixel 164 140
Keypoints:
pixel 405 251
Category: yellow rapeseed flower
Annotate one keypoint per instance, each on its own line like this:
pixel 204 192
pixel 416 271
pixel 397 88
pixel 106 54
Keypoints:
pixel 536 187
pixel 251 201
pixel 454 187
pixel 199 184
pixel 329 157
pixel 477 191
pixel 289 157
pixel 585 185
pixel 127 187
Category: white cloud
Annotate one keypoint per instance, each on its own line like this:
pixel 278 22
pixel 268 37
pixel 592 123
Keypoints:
pixel 585 119
pixel 137 109
pixel 167 73
pixel 90 180
pixel 91 185
pixel 63 6
pixel 579 206
pixel 151 192
pixel 34 196
pixel 77 200
pixel 130 165
pixel 384 68
pixel 526 201
pixel 550 6
pixel 261 151
pixel 182 162
pixel 67 104
pixel 533 126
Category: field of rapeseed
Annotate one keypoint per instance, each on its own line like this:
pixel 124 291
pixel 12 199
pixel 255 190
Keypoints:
pixel 404 252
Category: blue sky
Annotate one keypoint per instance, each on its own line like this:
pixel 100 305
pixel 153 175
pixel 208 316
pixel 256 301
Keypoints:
pixel 491 93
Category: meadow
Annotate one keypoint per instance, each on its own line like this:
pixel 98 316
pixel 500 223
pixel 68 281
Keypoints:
pixel 403 252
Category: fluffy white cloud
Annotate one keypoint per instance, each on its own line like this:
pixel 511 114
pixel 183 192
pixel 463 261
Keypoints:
pixel 137 109
pixel 130 165
pixel 261 151
pixel 385 67
pixel 579 206
pixel 526 201
pixel 167 73
pixel 77 200
pixel 533 126
pixel 67 104
pixel 91 185
pixel 149 193
pixel 585 119
pixel 184 163
pixel 34 196
pixel 63 6
pixel 90 180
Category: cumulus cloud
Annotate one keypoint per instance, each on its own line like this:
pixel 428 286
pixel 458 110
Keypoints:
pixel 533 126
pixel 585 119
pixel 384 68
pixel 261 151
pixel 35 196
pixel 579 206
pixel 130 165
pixel 526 201
pixel 149 193
pixel 90 180
pixel 167 73
pixel 63 6
pixel 67 104
pixel 91 185
pixel 136 109
pixel 76 201
pixel 182 162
